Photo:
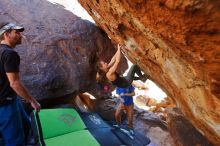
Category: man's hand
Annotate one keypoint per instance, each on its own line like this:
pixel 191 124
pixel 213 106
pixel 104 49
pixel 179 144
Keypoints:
pixel 35 105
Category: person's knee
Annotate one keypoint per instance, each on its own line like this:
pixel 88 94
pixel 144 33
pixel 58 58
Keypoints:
pixel 117 113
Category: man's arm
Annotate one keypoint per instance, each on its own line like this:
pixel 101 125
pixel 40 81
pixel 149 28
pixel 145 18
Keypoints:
pixel 18 87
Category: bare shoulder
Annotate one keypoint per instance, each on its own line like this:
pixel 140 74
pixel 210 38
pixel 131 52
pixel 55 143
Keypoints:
pixel 110 76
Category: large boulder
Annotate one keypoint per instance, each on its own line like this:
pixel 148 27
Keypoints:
pixel 59 51
pixel 176 42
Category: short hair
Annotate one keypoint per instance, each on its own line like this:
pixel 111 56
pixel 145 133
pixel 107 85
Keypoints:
pixel 2 24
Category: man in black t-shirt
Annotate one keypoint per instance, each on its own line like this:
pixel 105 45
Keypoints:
pixel 11 110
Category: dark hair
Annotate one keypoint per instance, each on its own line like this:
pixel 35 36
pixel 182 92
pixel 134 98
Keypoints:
pixel 101 75
pixel 1 25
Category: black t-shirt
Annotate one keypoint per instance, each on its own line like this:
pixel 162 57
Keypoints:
pixel 121 82
pixel 9 62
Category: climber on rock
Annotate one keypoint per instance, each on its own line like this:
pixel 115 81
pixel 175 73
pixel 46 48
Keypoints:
pixel 109 70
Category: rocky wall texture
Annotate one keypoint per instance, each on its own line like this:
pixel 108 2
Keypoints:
pixel 176 42
pixel 59 50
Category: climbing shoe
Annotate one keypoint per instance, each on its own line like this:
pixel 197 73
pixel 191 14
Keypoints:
pixel 116 126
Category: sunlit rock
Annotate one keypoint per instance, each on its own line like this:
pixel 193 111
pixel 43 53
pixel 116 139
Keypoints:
pixel 176 42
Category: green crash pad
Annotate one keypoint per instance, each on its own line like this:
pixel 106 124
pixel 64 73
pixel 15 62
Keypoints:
pixel 78 138
pixel 62 127
pixel 56 122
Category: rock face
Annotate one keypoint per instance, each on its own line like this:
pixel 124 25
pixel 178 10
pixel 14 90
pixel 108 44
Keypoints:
pixel 177 43
pixel 183 132
pixel 59 50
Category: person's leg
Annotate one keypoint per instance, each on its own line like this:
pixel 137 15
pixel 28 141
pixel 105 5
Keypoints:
pixel 131 74
pixel 129 111
pixel 118 113
pixel 11 125
pixel 25 120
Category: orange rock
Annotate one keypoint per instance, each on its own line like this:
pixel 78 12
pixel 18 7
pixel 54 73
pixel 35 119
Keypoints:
pixel 176 43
